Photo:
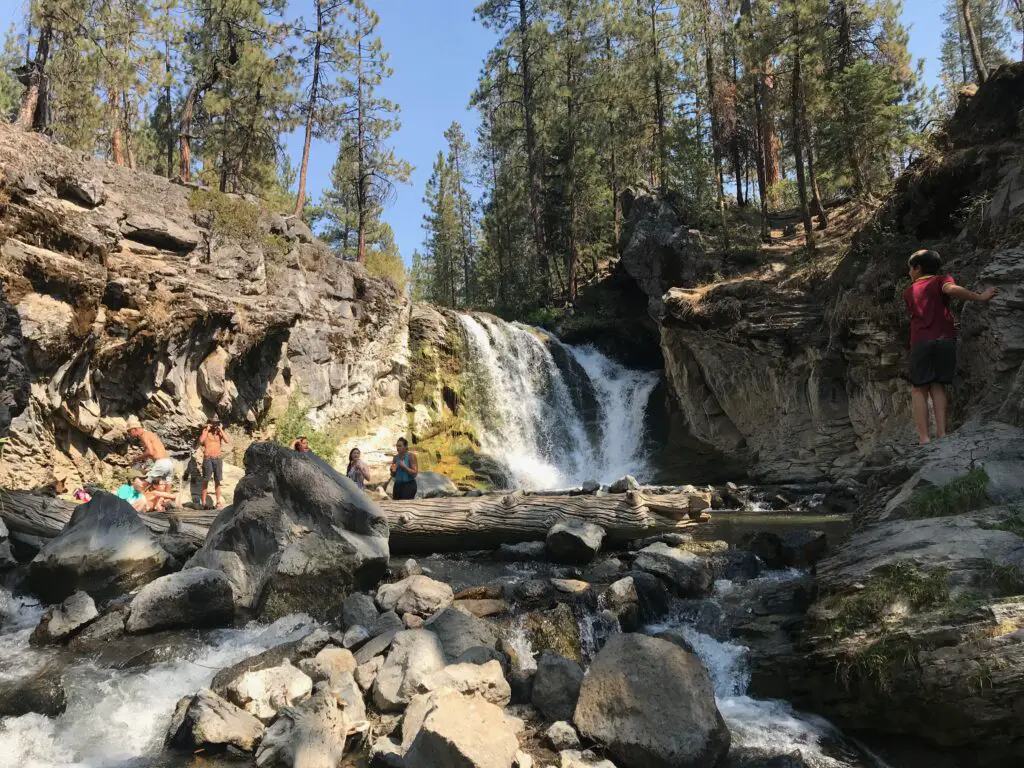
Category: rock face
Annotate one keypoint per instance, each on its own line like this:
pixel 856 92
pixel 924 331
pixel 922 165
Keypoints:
pixel 652 705
pixel 197 597
pixel 136 297
pixel 105 550
pixel 61 622
pixel 574 543
pixel 206 721
pixel 14 379
pixel 446 728
pixel 299 537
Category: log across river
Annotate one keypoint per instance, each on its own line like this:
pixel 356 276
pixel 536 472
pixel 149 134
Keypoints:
pixel 426 525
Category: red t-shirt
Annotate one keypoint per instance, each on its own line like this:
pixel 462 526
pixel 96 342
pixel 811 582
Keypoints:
pixel 928 306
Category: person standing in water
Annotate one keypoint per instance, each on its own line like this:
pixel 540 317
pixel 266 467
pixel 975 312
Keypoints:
pixel 932 337
pixel 357 471
pixel 404 469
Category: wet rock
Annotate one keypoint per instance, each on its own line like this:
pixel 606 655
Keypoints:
pixel 520 680
pixel 802 549
pixel 100 633
pixel 387 623
pixel 264 692
pixel 419 595
pixel 408 568
pixel 556 686
pixel 623 484
pixel 458 630
pixel 573 542
pixel 311 734
pixel 555 630
pixel 415 654
pixel 533 591
pixel 484 680
pixel 447 728
pixel 61 622
pixel 525 551
pixel 323 536
pixel 105 550
pixel 737 565
pixel 359 609
pixel 365 674
pixel 355 638
pixel 483 608
pixel 327 664
pixel 687 573
pixel 197 597
pixel 272 657
pixel 42 693
pixel 375 647
pixel 561 735
pixel 604 571
pixel 206 721
pixel 677 640
pixel 652 705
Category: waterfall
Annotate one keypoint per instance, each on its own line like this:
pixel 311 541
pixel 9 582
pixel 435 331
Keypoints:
pixel 554 415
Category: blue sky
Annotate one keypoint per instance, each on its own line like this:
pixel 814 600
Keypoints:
pixel 436 52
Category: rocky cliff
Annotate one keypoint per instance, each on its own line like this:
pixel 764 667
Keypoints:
pixel 795 367
pixel 137 295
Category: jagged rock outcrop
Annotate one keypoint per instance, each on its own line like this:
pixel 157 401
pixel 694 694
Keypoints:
pixel 798 373
pixel 14 380
pixel 137 295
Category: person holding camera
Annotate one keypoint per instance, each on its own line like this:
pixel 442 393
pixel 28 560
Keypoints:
pixel 211 439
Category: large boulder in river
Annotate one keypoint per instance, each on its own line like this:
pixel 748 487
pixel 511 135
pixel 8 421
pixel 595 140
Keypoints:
pixel 62 621
pixel 105 550
pixel 652 705
pixel 197 597
pixel 208 722
pixel 42 693
pixel 574 542
pixel 299 538
pixel 688 574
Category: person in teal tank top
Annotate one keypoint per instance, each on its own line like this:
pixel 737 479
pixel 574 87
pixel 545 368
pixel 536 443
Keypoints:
pixel 404 469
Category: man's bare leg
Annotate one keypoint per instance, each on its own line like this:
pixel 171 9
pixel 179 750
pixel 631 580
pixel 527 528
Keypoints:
pixel 919 405
pixel 939 403
pixel 202 496
pixel 216 491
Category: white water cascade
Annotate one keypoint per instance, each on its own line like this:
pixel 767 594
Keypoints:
pixel 555 415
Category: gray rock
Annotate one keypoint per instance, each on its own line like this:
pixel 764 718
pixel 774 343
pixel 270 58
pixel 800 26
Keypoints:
pixel 561 735
pixel 375 647
pixel 526 551
pixel 366 674
pixel 652 705
pixel 311 734
pixel 415 654
pixel 329 539
pixel 431 485
pixel 42 693
pixel 458 630
pixel 355 638
pixel 61 622
pixel 105 550
pixel 445 728
pixel 481 654
pixel 159 232
pixel 387 623
pixel 677 640
pixel 419 595
pixel 272 657
pixel 623 484
pixel 100 632
pixel 590 486
pixel 359 609
pixel 556 686
pixel 385 753
pixel 573 758
pixel 328 664
pixel 298 229
pixel 688 574
pixel 484 680
pixel 207 721
pixel 262 693
pixel 408 568
pixel 574 542
pixel 802 549
pixel 346 690
pixel 197 597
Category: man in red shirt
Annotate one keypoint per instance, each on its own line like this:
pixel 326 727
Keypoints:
pixel 932 337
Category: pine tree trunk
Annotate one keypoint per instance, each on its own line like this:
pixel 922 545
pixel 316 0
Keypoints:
pixel 170 116
pixel 980 70
pixel 844 46
pixel 185 134
pixel 571 255
pixel 361 191
pixel 300 198
pixel 533 153
pixel 32 114
pixel 660 118
pixel 798 138
pixel 759 136
pixel 465 234
pixel 817 207
pixel 116 143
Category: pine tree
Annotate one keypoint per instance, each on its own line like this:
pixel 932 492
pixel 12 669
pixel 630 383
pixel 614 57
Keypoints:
pixel 10 89
pixel 337 211
pixel 443 233
pixel 458 166
pixel 964 61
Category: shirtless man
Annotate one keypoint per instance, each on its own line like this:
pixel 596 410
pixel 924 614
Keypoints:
pixel 211 439
pixel 162 468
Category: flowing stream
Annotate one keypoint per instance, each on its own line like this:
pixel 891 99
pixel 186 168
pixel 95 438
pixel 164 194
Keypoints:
pixel 554 415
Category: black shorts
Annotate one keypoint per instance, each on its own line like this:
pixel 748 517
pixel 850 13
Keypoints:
pixel 404 491
pixel 213 468
pixel 933 362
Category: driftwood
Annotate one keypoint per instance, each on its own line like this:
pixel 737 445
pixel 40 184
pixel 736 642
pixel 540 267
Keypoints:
pixel 427 525
pixel 464 522
pixel 34 519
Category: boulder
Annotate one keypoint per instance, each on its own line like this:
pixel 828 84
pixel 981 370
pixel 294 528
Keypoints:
pixel 349 694
pixel 100 632
pixel 652 705
pixel 524 551
pixel 274 656
pixel 573 542
pixel 41 693
pixel 61 622
pixel 105 550
pixel 555 630
pixel 484 680
pixel 419 595
pixel 481 654
pixel 159 232
pixel 412 621
pixel 355 637
pixel 311 735
pixel 458 630
pixel 206 721
pixel 375 647
pixel 556 686
pixel 561 735
pixel 688 574
pixel 14 379
pixel 483 608
pixel 358 609
pixel 431 485
pixel 415 654
pixel 445 728
pixel 623 484
pixel 803 549
pixel 7 559
pixel 264 692
pixel 388 622
pixel 366 674
pixel 330 662
pixel 322 536
pixel 197 597
pixel 408 568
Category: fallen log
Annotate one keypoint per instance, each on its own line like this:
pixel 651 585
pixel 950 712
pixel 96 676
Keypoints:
pixel 485 522
pixel 33 519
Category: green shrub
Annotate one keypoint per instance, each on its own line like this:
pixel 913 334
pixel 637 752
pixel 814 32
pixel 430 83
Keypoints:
pixel 294 423
pixel 387 266
pixel 899 587
pixel 963 494
pixel 229 217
